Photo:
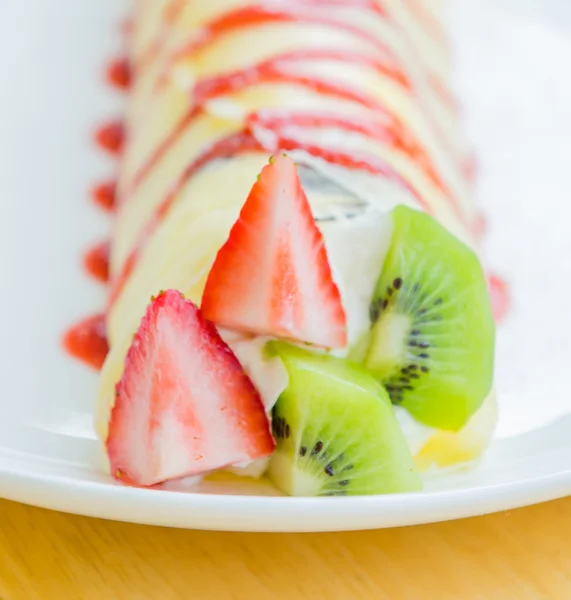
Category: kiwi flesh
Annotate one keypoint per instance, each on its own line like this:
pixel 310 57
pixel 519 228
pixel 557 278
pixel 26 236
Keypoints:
pixel 336 431
pixel 432 330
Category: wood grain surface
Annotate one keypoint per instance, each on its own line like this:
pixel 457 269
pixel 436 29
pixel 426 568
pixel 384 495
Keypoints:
pixel 522 554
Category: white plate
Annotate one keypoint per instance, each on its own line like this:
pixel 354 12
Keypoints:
pixel 514 78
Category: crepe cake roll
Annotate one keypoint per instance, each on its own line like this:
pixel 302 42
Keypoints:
pixel 356 94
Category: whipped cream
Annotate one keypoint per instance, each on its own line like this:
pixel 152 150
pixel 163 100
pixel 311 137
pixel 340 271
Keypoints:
pixel 268 374
pixel 416 433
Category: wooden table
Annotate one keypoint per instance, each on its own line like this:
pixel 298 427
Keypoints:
pixel 522 554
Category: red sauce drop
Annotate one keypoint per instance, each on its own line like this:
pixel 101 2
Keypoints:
pixel 111 137
pixel 480 226
pixel 96 262
pixel 472 168
pixel 126 26
pixel 499 293
pixel 118 74
pixel 87 341
pixel 104 195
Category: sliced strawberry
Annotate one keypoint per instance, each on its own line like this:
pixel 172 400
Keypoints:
pixel 184 405
pixel 272 277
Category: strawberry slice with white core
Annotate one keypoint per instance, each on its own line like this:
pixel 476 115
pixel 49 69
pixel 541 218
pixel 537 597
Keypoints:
pixel 272 277
pixel 183 406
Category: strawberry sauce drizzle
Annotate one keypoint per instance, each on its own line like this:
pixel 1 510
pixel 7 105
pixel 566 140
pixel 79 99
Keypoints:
pixel 444 93
pixel 96 261
pixel 276 71
pixel 241 142
pixel 236 80
pixel 161 150
pixel 387 130
pixel 171 15
pixel 252 16
pixel 426 18
pixel 279 69
pixel 87 341
pixel 374 6
pixel 208 89
pixel 301 11
pixel 174 11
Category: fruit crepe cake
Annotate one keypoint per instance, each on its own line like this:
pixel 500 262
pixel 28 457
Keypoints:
pixel 295 286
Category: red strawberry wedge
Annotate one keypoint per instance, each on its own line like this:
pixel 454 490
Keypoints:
pixel 272 276
pixel 183 406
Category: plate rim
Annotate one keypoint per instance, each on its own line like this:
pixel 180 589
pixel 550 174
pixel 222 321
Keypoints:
pixel 270 514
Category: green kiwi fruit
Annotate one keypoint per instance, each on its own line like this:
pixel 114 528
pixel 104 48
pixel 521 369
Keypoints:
pixel 336 431
pixel 432 335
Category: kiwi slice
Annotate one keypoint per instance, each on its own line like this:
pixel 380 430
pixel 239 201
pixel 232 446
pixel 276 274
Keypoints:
pixel 336 431
pixel 432 336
